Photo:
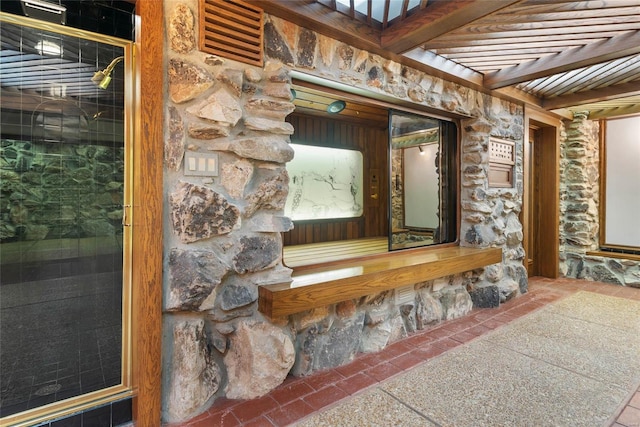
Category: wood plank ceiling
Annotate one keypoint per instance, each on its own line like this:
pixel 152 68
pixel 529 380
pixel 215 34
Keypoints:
pixel 559 55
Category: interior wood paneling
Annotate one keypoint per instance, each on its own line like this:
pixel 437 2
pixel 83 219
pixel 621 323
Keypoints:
pixel 372 142
pixel 147 217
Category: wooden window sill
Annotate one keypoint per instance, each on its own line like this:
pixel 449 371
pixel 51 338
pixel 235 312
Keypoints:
pixel 608 254
pixel 322 286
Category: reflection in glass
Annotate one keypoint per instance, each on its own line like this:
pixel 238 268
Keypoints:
pixel 423 186
pixel 62 178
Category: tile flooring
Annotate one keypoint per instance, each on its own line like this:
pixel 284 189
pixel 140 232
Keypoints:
pixel 376 387
pixel 60 332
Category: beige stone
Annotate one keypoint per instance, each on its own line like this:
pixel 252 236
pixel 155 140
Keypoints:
pixel 235 177
pixel 213 131
pixel 174 144
pixel 187 81
pixel 278 90
pixel 259 358
pixel 269 108
pixel 194 376
pixel 252 75
pixel 220 107
pixel 271 126
pixel 181 31
pixel 327 49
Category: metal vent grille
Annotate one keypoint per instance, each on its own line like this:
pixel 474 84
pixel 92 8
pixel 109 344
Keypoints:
pixel 405 295
pixel 232 29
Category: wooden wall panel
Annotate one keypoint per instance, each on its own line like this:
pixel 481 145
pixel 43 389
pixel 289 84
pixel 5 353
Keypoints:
pixel 372 142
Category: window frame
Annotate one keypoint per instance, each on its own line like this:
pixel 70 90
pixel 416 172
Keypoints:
pixel 612 249
pixel 389 103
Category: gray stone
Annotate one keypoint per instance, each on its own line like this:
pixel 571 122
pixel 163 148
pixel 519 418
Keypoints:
pixel 218 315
pixel 428 310
pixel 256 253
pixel 218 340
pixel 408 314
pixel 519 273
pixel 339 345
pixel 455 303
pixel 198 213
pixel 259 358
pixel 632 276
pixel 376 336
pixel 194 277
pixel 600 273
pixel 194 376
pixel 181 32
pixel 508 289
pixel 493 273
pixel 474 235
pixel 615 266
pixel 187 81
pixel 487 296
pixel 237 292
pixel 174 145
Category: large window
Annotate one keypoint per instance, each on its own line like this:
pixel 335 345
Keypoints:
pixel 621 177
pixel 367 180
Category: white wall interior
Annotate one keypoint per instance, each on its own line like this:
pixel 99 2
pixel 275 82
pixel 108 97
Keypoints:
pixel 622 182
pixel 421 187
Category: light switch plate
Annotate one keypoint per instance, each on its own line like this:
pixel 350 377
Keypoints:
pixel 200 164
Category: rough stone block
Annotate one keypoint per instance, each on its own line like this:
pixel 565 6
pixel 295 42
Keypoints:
pixel 194 377
pixel 194 277
pixel 198 212
pixel 259 358
pixel 485 296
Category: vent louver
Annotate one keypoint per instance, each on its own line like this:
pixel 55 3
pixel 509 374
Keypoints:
pixel 232 29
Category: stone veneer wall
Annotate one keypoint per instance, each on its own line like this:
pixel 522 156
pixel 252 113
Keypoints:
pixel 222 237
pixel 579 203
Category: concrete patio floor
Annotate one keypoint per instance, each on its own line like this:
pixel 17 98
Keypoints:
pixel 567 353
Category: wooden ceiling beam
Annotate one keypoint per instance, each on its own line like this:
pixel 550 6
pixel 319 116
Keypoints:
pixel 321 19
pixel 594 95
pixel 617 47
pixel 435 20
pixel 606 113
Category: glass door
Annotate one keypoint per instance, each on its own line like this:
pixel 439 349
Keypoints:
pixel 64 234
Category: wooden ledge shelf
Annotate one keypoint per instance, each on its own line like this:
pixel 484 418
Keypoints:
pixel 322 286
